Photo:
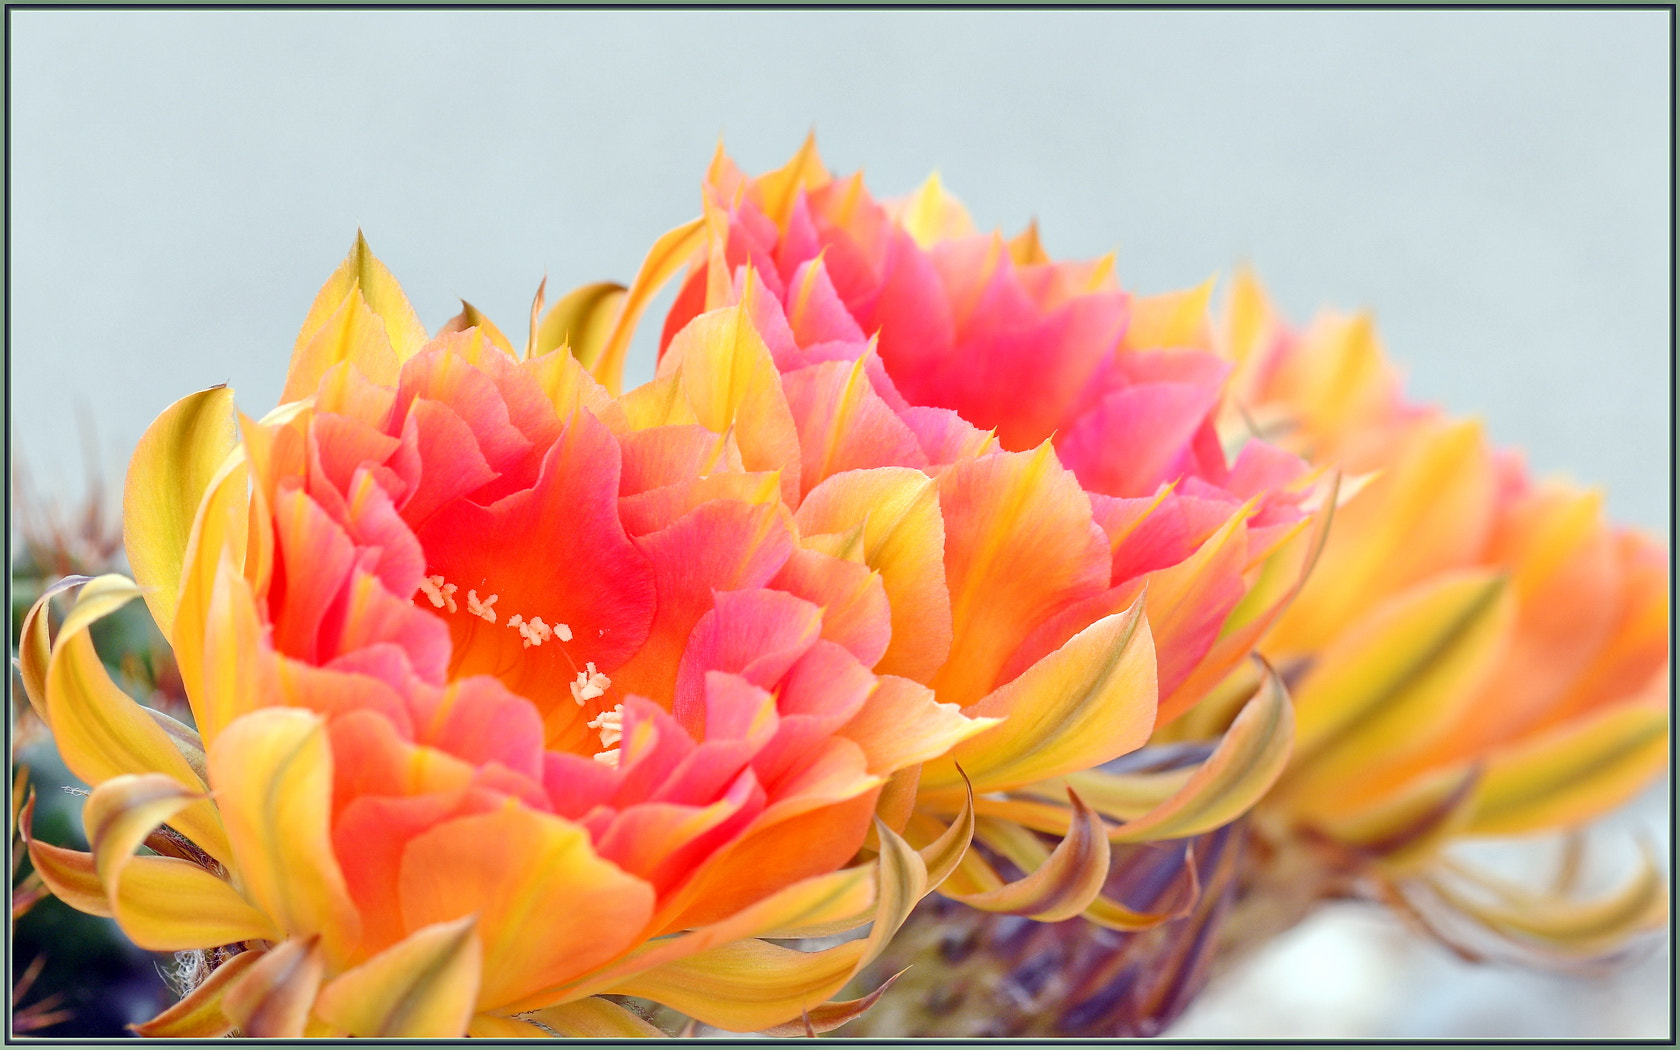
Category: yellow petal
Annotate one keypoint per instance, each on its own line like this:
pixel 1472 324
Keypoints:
pixel 902 725
pixel 35 645
pixel 101 732
pixel 1059 886
pixel 173 465
pixel 360 315
pixel 472 317
pixel 727 375
pixel 1392 682
pixel 595 1018
pixel 583 319
pixel 1428 512
pixel 1090 701
pixel 668 254
pixel 932 215
pixel 1572 774
pixel 272 998
pixel 570 387
pixel 1574 928
pixel 423 987
pixel 1172 319
pixel 272 771
pixel 168 905
pixel 68 873
pixel 903 539
pixel 199 1014
pixel 220 534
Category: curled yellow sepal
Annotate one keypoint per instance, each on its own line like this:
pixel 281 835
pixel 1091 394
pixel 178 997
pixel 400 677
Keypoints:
pixel 1057 886
pixel 749 985
pixel 100 731
pixel 1557 924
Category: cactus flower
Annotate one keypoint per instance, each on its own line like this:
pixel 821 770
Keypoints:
pixel 501 703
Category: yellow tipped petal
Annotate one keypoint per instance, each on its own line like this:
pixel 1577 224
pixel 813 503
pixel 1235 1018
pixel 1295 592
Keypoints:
pixel 199 1014
pixel 272 999
pixel 1084 704
pixel 932 215
pixel 668 255
pixel 176 459
pixel 583 319
pixel 1572 774
pixel 35 645
pixel 423 987
pixel 595 1018
pixel 1173 319
pixel 727 375
pixel 1056 887
pixel 472 317
pixel 273 775
pixel 360 315
pixel 903 539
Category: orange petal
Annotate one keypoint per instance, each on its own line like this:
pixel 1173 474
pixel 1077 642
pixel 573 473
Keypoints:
pixel 1019 543
pixel 548 907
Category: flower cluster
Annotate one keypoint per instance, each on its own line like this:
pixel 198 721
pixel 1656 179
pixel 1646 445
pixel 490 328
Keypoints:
pixel 511 690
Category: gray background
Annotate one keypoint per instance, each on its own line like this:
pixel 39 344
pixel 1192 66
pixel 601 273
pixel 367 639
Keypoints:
pixel 1495 185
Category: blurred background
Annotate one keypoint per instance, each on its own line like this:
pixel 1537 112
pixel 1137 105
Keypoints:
pixel 1494 185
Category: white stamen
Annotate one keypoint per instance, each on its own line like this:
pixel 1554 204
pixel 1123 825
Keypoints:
pixel 430 587
pixel 449 596
pixel 563 632
pixel 610 724
pixel 515 620
pixel 608 758
pixel 482 609
pixel 589 684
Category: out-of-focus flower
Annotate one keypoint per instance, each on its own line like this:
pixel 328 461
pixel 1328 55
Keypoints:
pixel 1088 557
pixel 504 699
pixel 1477 653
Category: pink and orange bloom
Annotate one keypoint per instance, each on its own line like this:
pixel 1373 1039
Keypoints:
pixel 500 704
pixel 512 690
